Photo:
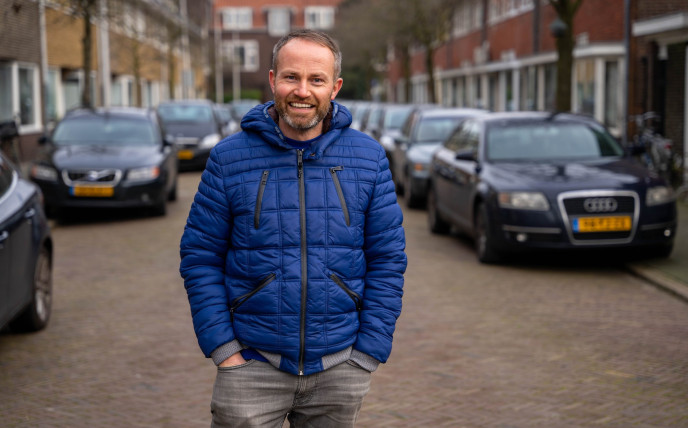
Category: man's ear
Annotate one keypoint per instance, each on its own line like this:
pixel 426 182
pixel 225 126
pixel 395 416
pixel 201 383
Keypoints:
pixel 271 78
pixel 337 86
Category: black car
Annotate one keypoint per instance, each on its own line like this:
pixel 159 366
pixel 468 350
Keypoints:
pixel 195 127
pixel 533 180
pixel 26 253
pixel 107 158
pixel 423 132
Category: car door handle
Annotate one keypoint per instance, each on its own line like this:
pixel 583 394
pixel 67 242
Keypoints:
pixel 30 213
pixel 3 236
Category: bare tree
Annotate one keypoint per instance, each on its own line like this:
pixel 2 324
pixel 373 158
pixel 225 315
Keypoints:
pixel 564 34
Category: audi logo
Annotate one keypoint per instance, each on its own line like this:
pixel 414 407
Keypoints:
pixel 600 205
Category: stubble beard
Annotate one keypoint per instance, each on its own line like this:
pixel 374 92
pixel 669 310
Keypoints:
pixel 300 124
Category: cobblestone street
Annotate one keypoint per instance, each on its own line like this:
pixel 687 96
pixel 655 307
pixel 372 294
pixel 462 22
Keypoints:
pixel 512 346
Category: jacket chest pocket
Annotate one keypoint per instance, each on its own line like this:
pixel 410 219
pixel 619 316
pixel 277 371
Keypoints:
pixel 340 194
pixel 259 199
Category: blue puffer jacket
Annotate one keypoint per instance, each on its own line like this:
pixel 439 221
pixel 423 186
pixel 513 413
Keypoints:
pixel 298 254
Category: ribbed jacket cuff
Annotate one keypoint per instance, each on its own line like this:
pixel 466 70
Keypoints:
pixel 364 360
pixel 225 351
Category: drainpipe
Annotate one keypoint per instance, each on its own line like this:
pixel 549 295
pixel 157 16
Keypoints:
pixel 627 44
pixel 44 64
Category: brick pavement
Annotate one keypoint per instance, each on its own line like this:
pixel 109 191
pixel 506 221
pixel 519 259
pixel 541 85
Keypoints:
pixel 528 345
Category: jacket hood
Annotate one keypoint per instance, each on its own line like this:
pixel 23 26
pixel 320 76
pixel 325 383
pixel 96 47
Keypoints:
pixel 263 118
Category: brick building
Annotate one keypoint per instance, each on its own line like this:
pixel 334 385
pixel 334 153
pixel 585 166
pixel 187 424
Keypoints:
pixel 249 30
pixel 143 52
pixel 501 55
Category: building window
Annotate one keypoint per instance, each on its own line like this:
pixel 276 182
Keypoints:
pixel 319 17
pixel 237 18
pixel 509 91
pixel 19 84
pixel 51 106
pixel 528 90
pixel 244 51
pixel 611 94
pixel 278 21
pixel 585 87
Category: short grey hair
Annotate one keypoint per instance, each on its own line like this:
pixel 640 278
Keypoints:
pixel 314 36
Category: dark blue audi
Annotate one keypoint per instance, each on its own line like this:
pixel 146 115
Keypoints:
pixel 533 180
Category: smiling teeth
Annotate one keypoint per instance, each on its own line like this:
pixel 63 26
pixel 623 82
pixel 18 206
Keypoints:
pixel 299 105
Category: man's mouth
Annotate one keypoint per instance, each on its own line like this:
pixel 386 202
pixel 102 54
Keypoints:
pixel 300 105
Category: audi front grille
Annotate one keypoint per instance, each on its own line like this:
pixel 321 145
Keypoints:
pixel 610 217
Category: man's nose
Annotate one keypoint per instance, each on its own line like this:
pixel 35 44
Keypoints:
pixel 302 89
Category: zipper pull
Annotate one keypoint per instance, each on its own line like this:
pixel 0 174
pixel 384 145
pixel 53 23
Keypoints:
pixel 336 168
pixel 300 162
pixel 265 177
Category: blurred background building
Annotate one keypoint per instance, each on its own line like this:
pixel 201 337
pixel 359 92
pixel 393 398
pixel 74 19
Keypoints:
pixel 247 32
pixel 138 52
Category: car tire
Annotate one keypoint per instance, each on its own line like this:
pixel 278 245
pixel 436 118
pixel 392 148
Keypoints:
pixel 172 195
pixel 662 251
pixel 435 222
pixel 35 317
pixel 160 208
pixel 484 242
pixel 411 199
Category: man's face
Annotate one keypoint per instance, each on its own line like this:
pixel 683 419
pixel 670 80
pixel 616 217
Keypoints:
pixel 303 86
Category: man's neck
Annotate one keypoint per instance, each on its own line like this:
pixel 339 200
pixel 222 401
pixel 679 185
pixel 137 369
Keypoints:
pixel 298 135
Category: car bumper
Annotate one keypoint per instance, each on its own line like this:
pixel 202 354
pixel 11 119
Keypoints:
pixel 193 157
pixel 124 195
pixel 516 230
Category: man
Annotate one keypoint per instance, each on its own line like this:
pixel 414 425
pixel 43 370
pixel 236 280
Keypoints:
pixel 293 252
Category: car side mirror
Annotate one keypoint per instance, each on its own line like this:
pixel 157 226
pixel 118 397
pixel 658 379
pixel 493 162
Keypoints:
pixel 466 155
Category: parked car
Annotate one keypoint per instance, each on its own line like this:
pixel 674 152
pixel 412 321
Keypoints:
pixel 26 253
pixel 423 132
pixel 195 128
pixel 240 107
pixel 224 115
pixel 107 158
pixel 533 180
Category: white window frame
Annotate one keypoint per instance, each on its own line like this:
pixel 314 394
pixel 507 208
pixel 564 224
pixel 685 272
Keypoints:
pixel 319 17
pixel 237 18
pixel 251 60
pixel 275 17
pixel 37 124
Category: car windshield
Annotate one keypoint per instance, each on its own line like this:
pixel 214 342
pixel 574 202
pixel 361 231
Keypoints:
pixel 241 108
pixel 549 141
pixel 432 130
pixel 105 130
pixel 185 113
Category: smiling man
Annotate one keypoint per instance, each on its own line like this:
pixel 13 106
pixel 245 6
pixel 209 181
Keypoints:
pixel 293 252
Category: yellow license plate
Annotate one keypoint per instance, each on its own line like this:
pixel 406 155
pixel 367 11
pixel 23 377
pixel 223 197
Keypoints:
pixel 93 191
pixel 601 224
pixel 185 154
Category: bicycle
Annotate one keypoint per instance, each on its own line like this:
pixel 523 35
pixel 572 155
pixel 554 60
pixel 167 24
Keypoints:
pixel 655 151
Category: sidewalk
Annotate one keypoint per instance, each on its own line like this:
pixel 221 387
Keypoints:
pixel 671 273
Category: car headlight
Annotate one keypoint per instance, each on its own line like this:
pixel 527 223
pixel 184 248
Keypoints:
pixel 210 140
pixel 523 201
pixel 144 173
pixel 42 172
pixel 659 195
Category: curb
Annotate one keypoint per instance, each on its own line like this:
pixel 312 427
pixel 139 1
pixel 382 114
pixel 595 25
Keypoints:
pixel 670 285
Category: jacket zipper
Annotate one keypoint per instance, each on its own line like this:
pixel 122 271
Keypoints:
pixel 259 202
pixel 304 261
pixel 354 296
pixel 241 299
pixel 338 186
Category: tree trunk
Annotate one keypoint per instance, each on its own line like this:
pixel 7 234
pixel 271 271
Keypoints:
pixel 430 69
pixel 565 47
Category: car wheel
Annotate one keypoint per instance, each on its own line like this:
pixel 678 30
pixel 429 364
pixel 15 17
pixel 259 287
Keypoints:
pixel 172 196
pixel 435 222
pixel 662 251
pixel 484 242
pixel 160 208
pixel 411 199
pixel 35 317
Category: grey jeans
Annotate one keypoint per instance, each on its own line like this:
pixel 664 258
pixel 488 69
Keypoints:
pixel 256 394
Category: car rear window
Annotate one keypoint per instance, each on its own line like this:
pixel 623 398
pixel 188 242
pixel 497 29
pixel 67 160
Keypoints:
pixel 105 130
pixel 549 141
